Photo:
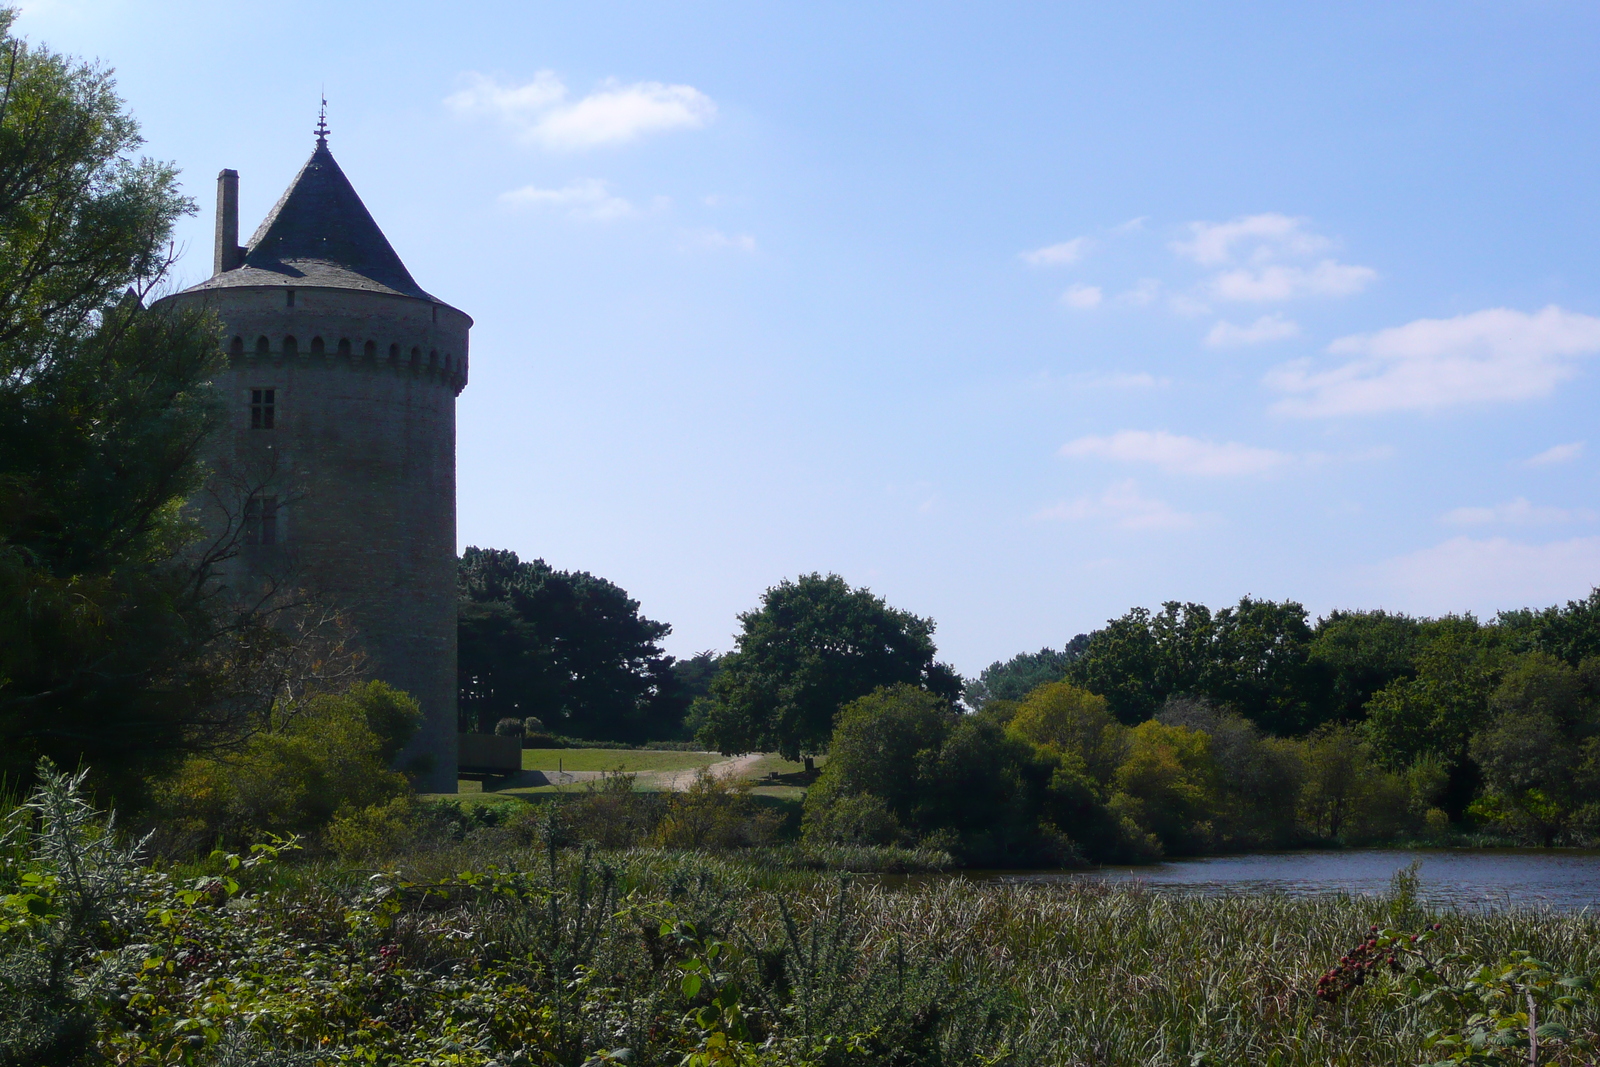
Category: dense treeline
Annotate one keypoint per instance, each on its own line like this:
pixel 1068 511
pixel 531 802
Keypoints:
pixel 1188 731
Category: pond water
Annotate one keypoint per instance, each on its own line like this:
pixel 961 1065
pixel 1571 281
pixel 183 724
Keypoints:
pixel 1495 878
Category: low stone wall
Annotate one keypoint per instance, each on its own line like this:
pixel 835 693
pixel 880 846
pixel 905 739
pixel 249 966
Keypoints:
pixel 489 754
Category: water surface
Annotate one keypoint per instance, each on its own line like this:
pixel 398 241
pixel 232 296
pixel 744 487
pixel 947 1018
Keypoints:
pixel 1496 878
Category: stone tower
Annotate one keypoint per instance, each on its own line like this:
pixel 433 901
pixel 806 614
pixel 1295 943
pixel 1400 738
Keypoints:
pixel 341 390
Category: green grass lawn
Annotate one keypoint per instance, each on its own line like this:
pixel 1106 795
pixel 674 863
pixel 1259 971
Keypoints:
pixel 611 759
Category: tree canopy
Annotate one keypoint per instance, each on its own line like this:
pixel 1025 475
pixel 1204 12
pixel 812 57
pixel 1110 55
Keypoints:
pixel 564 646
pixel 814 645
pixel 1254 657
pixel 105 635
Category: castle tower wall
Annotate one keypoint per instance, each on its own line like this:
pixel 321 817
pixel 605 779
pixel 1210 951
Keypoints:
pixel 337 457
pixel 360 463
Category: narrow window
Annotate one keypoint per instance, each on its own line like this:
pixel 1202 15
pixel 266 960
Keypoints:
pixel 369 350
pixel 433 357
pixel 344 346
pixel 416 355
pixel 263 409
pixel 261 520
pixel 263 346
pixel 436 313
pixel 290 346
pixel 237 348
pixel 394 351
pixel 317 347
pixel 291 298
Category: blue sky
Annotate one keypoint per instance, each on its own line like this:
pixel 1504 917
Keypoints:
pixel 1020 315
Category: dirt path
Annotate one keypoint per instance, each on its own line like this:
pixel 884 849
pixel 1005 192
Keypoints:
pixel 666 781
pixel 678 781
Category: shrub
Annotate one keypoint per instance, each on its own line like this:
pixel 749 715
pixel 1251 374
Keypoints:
pixel 509 727
pixel 329 758
pixel 714 813
pixel 374 831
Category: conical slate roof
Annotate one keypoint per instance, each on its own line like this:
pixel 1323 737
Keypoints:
pixel 320 234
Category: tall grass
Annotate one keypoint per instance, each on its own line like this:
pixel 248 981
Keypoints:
pixel 561 957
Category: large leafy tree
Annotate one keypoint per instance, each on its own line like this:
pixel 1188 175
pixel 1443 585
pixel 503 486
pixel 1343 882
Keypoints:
pixel 1357 653
pixel 814 645
pixel 1253 656
pixel 564 646
pixel 105 634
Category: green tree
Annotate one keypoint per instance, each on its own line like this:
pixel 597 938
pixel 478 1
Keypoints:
pixel 903 766
pixel 1359 652
pixel 814 645
pixel 1532 749
pixel 1075 724
pixel 1347 792
pixel 1253 656
pixel 1020 675
pixel 1459 663
pixel 105 630
pixel 1570 633
pixel 567 647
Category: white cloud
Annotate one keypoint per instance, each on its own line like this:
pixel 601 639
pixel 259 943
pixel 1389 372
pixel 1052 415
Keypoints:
pixel 1557 454
pixel 1124 506
pixel 538 112
pixel 1082 296
pixel 1493 355
pixel 1212 244
pixel 1142 294
pixel 1058 255
pixel 1266 328
pixel 1278 281
pixel 716 239
pixel 1178 455
pixel 587 198
pixel 1131 226
pixel 1516 512
pixel 1489 575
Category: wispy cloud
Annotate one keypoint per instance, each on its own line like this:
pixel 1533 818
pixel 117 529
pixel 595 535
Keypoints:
pixel 1486 356
pixel 1124 507
pixel 1212 244
pixel 1488 575
pixel 1266 328
pixel 1058 255
pixel 1082 296
pixel 1176 454
pixel 1558 454
pixel 1516 512
pixel 1279 281
pixel 588 198
pixel 539 112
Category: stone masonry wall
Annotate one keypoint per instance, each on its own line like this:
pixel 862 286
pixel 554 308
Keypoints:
pixel 362 461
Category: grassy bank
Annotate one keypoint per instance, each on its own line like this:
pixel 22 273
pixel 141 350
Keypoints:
pixel 495 948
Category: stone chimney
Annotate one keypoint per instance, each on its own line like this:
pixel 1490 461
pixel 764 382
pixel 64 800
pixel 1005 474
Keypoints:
pixel 228 253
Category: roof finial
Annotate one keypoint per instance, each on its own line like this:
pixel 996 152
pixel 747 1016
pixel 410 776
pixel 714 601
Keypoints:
pixel 322 123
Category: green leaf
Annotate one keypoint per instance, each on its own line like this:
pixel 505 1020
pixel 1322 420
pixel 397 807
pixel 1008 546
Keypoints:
pixel 691 984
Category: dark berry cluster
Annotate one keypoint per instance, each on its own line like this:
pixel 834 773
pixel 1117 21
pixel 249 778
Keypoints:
pixel 1379 949
pixel 388 957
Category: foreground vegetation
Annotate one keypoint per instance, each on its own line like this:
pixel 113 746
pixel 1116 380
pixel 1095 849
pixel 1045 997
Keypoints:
pixel 486 948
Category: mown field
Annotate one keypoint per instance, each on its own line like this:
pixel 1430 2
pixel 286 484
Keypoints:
pixel 610 759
